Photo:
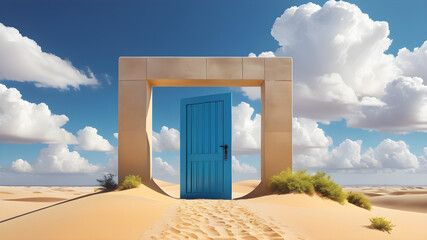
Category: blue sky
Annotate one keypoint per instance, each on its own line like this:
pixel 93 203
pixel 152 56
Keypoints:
pixel 92 35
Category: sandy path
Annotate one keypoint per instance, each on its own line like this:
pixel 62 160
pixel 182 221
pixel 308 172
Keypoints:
pixel 218 219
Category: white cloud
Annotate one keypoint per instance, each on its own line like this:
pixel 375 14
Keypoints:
pixel 339 41
pixel 413 64
pixel 162 168
pixel 25 122
pixel 238 167
pixel 166 140
pixel 116 135
pixel 263 54
pixel 345 157
pixel 267 54
pixel 246 131
pixel 390 155
pixel 23 60
pixel 405 108
pixel 21 166
pixel 310 144
pixel 57 158
pixel 341 69
pixel 253 93
pixel 311 150
pixel 89 140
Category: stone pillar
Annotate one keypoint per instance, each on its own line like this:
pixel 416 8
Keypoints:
pixel 135 119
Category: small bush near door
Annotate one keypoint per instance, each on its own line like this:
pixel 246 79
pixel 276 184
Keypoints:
pixel 107 183
pixel 302 182
pixel 131 181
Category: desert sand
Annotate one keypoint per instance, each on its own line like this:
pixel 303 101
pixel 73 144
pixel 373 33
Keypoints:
pixel 145 214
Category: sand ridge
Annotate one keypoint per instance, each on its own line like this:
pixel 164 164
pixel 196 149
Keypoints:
pixel 218 219
pixel 402 198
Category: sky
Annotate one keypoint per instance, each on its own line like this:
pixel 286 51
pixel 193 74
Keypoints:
pixel 359 90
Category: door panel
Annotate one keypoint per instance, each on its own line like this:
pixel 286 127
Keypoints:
pixel 205 126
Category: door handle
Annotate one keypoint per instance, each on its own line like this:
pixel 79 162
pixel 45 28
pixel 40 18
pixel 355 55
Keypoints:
pixel 226 150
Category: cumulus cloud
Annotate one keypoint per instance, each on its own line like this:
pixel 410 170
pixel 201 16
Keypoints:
pixel 405 108
pixel 246 130
pixel 89 140
pixel 238 167
pixel 345 157
pixel 253 93
pixel 263 54
pixel 341 69
pixel 162 168
pixel 311 150
pixel 21 166
pixel 309 142
pixel 390 155
pixel 166 140
pixel 336 39
pixel 23 60
pixel 57 158
pixel 116 135
pixel 25 122
pixel 413 64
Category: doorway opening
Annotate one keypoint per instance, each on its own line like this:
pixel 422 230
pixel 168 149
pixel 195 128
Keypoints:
pixel 246 136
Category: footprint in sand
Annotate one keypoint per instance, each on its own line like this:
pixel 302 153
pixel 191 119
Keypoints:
pixel 218 219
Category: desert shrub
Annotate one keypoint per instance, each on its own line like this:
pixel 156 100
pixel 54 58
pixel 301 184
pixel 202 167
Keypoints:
pixel 107 182
pixel 301 182
pixel 328 188
pixel 381 223
pixel 131 181
pixel 359 200
pixel 287 182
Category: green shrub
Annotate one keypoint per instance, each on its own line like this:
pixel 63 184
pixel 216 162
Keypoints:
pixel 381 223
pixel 287 182
pixel 301 182
pixel 108 182
pixel 328 188
pixel 359 200
pixel 131 181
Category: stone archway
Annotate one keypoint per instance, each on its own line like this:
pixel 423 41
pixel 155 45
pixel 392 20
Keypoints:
pixel 137 76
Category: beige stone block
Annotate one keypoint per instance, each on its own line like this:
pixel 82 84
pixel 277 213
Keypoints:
pixel 253 68
pixel 176 68
pixel 278 153
pixel 224 68
pixel 278 69
pixel 132 68
pixel 132 105
pixel 278 106
pixel 134 155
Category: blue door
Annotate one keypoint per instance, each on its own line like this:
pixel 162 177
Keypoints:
pixel 206 147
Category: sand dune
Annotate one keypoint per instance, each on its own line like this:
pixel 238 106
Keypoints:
pixel 402 198
pixel 16 200
pixel 114 215
pixel 145 214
